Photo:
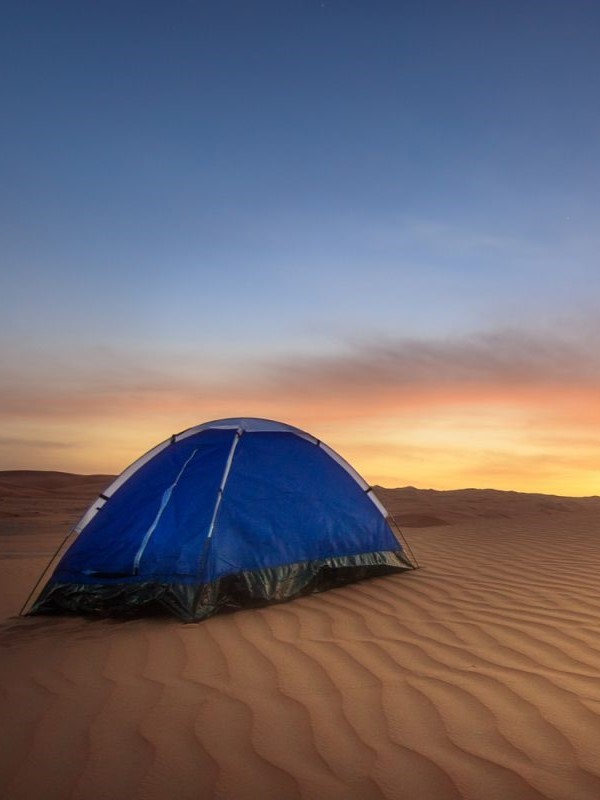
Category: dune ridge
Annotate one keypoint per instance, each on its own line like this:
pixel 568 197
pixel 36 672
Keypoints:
pixel 474 677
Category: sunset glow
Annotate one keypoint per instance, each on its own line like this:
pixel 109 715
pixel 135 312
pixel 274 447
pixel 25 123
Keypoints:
pixel 480 427
pixel 309 212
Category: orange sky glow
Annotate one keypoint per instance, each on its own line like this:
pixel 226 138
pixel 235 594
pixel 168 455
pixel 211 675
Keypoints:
pixel 502 428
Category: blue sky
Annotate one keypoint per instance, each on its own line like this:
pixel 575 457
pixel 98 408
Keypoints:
pixel 212 188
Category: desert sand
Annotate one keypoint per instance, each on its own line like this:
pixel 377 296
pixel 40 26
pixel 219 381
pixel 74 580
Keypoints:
pixel 476 676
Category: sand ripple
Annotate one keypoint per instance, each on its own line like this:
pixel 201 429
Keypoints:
pixel 475 677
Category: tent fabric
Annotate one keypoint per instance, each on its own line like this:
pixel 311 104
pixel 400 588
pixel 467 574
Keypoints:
pixel 230 514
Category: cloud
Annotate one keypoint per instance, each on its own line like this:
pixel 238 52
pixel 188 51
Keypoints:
pixel 13 442
pixel 487 367
pixel 495 359
pixel 486 409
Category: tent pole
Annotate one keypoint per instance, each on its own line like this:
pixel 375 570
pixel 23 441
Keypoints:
pixel 53 558
pixel 211 529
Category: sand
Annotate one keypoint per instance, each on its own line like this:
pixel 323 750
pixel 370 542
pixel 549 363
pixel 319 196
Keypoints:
pixel 476 676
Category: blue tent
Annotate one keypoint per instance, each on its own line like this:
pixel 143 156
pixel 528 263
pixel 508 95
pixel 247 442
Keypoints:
pixel 228 514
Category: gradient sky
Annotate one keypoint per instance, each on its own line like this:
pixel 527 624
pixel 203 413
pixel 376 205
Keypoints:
pixel 374 220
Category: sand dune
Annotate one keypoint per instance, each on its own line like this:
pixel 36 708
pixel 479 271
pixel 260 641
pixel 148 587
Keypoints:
pixel 422 507
pixel 41 479
pixel 474 677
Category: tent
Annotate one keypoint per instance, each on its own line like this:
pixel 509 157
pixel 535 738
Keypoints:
pixel 229 514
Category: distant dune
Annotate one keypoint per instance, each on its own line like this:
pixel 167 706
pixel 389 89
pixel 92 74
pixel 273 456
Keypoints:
pixel 411 507
pixel 34 482
pixel 36 494
pixel 474 677
pixel 424 507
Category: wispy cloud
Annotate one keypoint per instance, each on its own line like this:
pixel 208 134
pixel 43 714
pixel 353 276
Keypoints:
pixel 32 443
pixel 460 410
pixel 488 359
pixel 489 365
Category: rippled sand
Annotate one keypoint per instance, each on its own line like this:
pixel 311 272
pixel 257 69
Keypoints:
pixel 477 676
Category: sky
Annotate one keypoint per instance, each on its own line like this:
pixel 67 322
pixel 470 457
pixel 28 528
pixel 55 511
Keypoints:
pixel 375 220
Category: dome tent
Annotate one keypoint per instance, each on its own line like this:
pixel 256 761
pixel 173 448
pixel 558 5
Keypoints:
pixel 229 514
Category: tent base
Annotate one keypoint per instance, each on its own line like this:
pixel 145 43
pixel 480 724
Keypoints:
pixel 193 602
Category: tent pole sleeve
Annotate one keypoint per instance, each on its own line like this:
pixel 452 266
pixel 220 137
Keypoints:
pixel 226 471
pixel 165 500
